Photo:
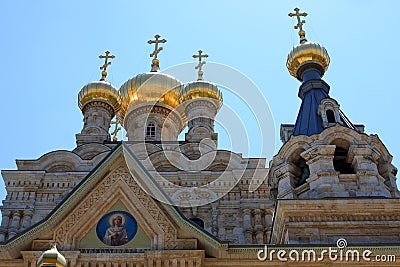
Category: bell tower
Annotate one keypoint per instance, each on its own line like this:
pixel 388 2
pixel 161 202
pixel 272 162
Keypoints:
pixel 324 155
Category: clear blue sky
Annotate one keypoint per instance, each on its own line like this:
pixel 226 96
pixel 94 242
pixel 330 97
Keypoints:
pixel 50 50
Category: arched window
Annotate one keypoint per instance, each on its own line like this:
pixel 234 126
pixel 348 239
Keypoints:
pixel 151 130
pixel 339 161
pixel 329 111
pixel 198 221
pixel 330 116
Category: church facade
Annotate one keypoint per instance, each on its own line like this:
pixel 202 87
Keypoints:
pixel 328 197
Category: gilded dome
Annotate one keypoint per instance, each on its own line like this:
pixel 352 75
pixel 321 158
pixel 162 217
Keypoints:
pixel 307 53
pixel 52 257
pixel 202 89
pixel 100 91
pixel 150 87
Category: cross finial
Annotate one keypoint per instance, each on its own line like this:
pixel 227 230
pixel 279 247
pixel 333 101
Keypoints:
pixel 300 24
pixel 117 128
pixel 200 56
pixel 105 65
pixel 155 62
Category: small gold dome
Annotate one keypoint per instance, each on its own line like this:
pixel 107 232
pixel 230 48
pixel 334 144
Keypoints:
pixel 100 91
pixel 307 53
pixel 150 87
pixel 52 257
pixel 202 89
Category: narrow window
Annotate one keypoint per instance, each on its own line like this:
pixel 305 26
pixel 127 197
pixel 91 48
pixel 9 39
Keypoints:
pixel 151 130
pixel 330 116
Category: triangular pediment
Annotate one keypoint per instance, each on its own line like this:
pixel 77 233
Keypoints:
pixel 112 188
pixel 95 207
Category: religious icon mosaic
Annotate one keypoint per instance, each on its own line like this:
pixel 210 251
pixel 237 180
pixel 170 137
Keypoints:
pixel 116 228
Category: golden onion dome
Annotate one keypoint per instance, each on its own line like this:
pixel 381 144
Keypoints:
pixel 52 257
pixel 202 89
pixel 305 54
pixel 102 91
pixel 150 87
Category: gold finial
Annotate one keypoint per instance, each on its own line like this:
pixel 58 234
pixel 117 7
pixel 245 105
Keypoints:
pixel 200 65
pixel 105 65
pixel 155 66
pixel 117 122
pixel 300 24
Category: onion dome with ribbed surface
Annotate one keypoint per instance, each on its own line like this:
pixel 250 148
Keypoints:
pixel 202 89
pixel 150 88
pixel 305 55
pixel 101 91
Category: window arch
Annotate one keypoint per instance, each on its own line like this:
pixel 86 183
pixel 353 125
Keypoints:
pixel 329 111
pixel 151 129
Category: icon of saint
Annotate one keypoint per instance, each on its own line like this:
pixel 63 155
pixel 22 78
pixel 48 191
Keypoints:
pixel 116 234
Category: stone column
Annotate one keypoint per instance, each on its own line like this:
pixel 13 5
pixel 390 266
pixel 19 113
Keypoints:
pixel 324 179
pixel 26 221
pixel 286 174
pixel 258 227
pixel 247 228
pixel 364 159
pixel 16 218
pixel 389 172
pixel 268 226
pixel 14 225
pixel 5 218
pixel 320 159
pixel 4 224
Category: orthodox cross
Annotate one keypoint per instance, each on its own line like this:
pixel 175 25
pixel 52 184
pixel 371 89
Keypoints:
pixel 117 128
pixel 200 65
pixel 156 49
pixel 105 65
pixel 300 24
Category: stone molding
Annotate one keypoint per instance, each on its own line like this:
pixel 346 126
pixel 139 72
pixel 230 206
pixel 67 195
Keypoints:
pixel 166 234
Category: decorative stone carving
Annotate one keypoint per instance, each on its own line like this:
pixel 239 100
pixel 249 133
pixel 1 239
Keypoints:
pixel 64 233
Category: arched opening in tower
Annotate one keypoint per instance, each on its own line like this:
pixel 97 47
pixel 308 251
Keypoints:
pixel 339 161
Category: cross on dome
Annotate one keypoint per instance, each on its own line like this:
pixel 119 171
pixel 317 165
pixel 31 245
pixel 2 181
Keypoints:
pixel 156 42
pixel 200 56
pixel 155 64
pixel 105 65
pixel 300 24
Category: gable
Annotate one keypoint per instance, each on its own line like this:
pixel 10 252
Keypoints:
pixel 70 224
pixel 119 187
